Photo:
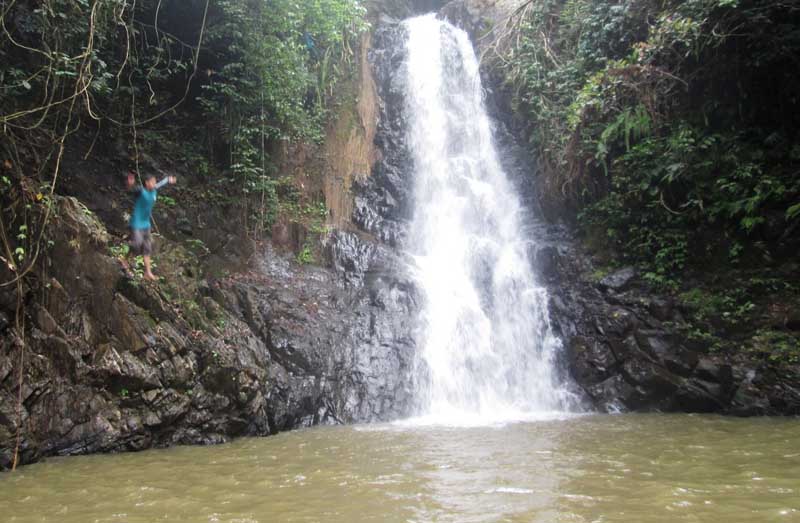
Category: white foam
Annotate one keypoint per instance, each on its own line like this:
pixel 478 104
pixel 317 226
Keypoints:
pixel 509 490
pixel 463 419
pixel 487 348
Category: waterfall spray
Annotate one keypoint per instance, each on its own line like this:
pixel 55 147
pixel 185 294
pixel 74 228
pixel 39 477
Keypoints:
pixel 486 347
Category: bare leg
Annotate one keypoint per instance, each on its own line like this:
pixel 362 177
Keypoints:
pixel 147 273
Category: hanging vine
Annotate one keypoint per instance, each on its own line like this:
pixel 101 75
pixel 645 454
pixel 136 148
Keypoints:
pixel 66 81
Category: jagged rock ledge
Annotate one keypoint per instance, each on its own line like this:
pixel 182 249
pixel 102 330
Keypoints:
pixel 112 364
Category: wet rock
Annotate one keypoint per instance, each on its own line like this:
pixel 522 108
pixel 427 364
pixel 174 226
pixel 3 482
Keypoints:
pixel 618 321
pixel 616 395
pixel 166 406
pixel 665 349
pixel 350 257
pixel 653 379
pixel 5 369
pixel 66 357
pixel 390 11
pixel 716 373
pixel 785 398
pixel 468 15
pixel 383 200
pixel 590 361
pixel 698 396
pixel 292 346
pixel 655 366
pixel 123 370
pixel 618 280
pixel 660 308
pixel 47 324
pixel 147 298
pixel 130 324
pixel 184 225
pixel 747 401
pixel 481 19
pixel 546 261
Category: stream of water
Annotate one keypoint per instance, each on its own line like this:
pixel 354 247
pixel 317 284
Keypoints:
pixel 487 349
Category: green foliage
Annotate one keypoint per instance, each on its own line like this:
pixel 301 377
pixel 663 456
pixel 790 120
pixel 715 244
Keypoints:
pixel 732 305
pixel 733 315
pixel 312 215
pixel 630 125
pixel 277 57
pixel 277 63
pixel 250 74
pixel 169 201
pixel 653 118
pixel 119 251
pixel 277 67
pixel 306 255
pixel 776 346
pixel 599 273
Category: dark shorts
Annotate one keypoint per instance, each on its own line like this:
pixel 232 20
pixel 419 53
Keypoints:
pixel 140 242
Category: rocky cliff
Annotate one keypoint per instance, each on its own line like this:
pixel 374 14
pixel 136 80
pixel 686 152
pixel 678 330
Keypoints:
pixel 238 339
pixel 109 363
pixel 626 345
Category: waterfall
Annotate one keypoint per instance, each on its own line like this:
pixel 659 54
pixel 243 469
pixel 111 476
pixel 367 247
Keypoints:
pixel 486 346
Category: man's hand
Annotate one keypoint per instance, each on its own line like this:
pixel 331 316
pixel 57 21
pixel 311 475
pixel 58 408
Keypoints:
pixel 173 180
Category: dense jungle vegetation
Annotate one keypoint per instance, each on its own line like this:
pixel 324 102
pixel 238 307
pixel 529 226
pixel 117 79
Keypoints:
pixel 209 86
pixel 668 128
pixel 671 129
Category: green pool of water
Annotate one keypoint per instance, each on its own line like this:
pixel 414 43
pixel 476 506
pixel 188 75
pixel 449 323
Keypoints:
pixel 633 468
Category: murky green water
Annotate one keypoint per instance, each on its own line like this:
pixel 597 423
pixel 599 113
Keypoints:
pixel 633 468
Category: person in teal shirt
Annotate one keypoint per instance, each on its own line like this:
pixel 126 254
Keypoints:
pixel 140 240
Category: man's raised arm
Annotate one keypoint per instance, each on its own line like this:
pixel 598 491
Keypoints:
pixel 165 181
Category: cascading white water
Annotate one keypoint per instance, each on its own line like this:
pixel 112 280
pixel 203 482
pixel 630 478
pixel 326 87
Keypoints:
pixel 485 337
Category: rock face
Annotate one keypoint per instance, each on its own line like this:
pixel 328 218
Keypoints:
pixel 625 349
pixel 111 364
pixel 383 201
